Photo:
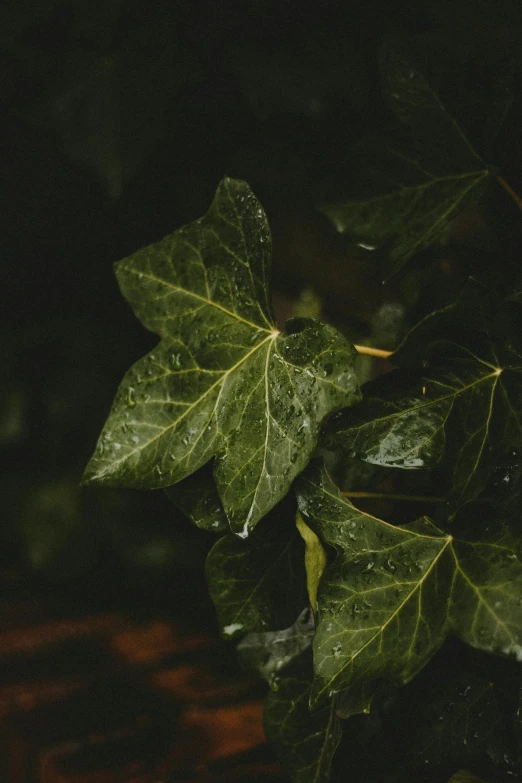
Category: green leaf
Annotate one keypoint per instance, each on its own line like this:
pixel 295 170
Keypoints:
pixel 304 742
pixel 381 609
pixel 414 185
pixel 459 718
pixel 392 594
pixel 259 584
pixel 223 382
pixel 197 497
pixel 270 652
pixel 357 699
pixel 315 559
pixel 445 719
pixel 460 396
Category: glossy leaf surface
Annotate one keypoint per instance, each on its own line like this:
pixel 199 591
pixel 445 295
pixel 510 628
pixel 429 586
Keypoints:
pixel 460 396
pixel 223 382
pixel 392 594
pixel 415 184
pixel 304 742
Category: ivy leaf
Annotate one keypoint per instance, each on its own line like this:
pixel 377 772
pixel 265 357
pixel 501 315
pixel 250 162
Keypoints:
pixel 197 497
pixel 381 611
pixel 223 382
pixel 392 594
pixel 270 652
pixel 304 742
pixel 259 584
pixel 357 699
pixel 460 718
pixel 443 720
pixel 460 396
pixel 414 184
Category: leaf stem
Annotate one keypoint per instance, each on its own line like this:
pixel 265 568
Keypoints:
pixel 394 496
pixel 509 190
pixel 366 350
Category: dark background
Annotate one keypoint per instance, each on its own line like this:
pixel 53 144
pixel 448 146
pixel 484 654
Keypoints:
pixel 118 121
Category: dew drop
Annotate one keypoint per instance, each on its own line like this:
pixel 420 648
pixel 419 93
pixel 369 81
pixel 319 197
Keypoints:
pixel 131 397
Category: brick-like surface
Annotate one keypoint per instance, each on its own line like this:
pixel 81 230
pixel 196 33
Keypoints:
pixel 104 698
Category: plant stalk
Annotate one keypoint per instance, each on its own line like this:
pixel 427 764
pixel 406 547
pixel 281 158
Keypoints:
pixel 366 350
pixel 394 496
pixel 509 190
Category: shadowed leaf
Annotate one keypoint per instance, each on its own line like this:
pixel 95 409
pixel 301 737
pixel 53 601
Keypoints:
pixel 259 584
pixel 304 742
pixel 357 699
pixel 444 720
pixel 461 717
pixel 414 185
pixel 198 498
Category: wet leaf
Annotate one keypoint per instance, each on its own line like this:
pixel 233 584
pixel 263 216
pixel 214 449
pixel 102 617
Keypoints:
pixel 392 594
pixel 223 382
pixel 271 652
pixel 259 584
pixel 460 718
pixel 357 699
pixel 459 396
pixel 198 498
pixel 416 180
pixel 304 742
pixel 444 720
